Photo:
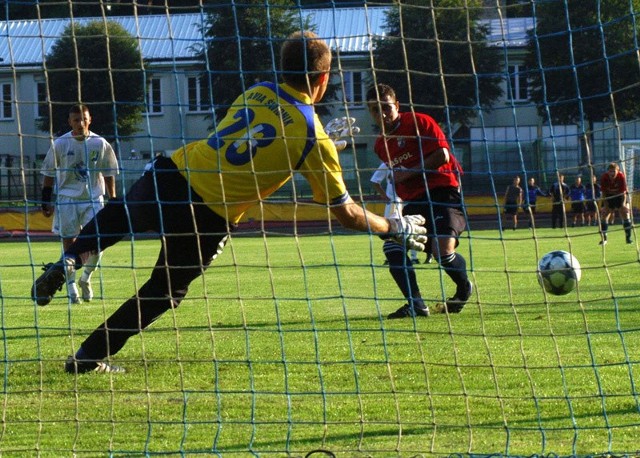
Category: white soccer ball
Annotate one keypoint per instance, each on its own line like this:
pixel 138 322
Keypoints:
pixel 559 272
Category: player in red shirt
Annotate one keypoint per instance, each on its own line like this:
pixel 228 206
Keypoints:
pixel 426 175
pixel 614 195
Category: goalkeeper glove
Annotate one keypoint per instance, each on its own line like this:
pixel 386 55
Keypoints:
pixel 409 231
pixel 341 127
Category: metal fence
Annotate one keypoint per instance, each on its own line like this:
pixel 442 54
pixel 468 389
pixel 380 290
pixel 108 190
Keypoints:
pixel 20 181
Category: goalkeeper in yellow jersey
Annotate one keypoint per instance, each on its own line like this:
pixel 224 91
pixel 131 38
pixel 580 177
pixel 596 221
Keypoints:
pixel 196 197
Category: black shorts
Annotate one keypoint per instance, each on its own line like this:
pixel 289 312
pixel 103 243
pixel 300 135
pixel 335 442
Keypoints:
pixel 511 208
pixel 590 206
pixel 577 207
pixel 531 207
pixel 442 210
pixel 614 202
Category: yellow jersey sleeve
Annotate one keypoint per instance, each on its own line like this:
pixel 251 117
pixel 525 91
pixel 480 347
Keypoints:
pixel 270 132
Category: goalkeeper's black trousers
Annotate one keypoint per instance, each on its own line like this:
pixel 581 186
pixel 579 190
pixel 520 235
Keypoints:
pixel 191 236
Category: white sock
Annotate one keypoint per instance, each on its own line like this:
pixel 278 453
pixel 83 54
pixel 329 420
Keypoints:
pixel 93 261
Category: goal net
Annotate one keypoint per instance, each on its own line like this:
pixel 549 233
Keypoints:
pixel 283 345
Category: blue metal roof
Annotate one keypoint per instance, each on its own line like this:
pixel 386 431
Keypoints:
pixel 162 37
pixel 26 42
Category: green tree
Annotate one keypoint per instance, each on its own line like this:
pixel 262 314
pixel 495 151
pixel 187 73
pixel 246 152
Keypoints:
pixel 243 45
pixel 583 60
pixel 438 59
pixel 99 65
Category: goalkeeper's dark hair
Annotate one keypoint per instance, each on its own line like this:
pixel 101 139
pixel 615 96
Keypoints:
pixel 380 91
pixel 304 57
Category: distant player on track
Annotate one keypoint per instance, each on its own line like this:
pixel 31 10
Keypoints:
pixel 592 195
pixel 559 193
pixel 426 176
pixel 513 201
pixel 531 198
pixel 81 166
pixel 577 193
pixel 196 197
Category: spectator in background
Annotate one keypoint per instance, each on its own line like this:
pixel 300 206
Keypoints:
pixel 513 201
pixel 577 196
pixel 82 167
pixel 531 199
pixel 559 193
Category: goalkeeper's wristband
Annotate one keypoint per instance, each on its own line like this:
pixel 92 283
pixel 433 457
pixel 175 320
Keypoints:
pixel 393 230
pixel 47 192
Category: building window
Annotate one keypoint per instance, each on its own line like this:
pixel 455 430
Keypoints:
pixel 42 100
pixel 6 109
pixel 354 88
pixel 198 94
pixel 154 96
pixel 518 84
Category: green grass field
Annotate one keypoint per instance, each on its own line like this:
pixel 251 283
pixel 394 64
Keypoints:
pixel 282 348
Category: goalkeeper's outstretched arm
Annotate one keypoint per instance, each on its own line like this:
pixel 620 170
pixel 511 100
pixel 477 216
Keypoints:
pixel 353 216
pixel 407 230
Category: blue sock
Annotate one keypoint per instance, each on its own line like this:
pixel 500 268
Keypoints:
pixel 627 228
pixel 402 272
pixel 456 267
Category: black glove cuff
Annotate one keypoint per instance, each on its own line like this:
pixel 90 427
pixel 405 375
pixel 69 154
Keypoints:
pixel 47 192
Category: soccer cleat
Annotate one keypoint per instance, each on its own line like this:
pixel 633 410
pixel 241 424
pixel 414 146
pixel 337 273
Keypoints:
pixel 603 242
pixel 48 283
pixel 429 259
pixel 629 241
pixel 456 303
pixel 87 290
pixel 408 311
pixel 74 366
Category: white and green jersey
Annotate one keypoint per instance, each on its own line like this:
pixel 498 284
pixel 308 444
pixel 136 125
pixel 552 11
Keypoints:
pixel 79 166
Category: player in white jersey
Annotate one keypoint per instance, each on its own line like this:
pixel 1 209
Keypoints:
pixel 393 206
pixel 81 166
